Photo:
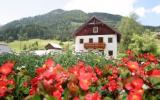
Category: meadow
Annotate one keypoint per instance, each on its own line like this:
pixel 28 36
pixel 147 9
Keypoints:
pixel 18 46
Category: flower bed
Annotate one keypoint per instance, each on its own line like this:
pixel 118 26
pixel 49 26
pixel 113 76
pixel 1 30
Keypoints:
pixel 134 77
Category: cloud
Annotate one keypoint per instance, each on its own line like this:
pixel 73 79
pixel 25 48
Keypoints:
pixel 156 9
pixel 141 11
pixel 121 7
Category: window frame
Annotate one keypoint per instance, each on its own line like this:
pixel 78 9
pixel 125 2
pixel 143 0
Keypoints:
pixel 95 29
pixel 110 40
pixel 110 52
pixel 100 40
pixel 81 41
pixel 90 40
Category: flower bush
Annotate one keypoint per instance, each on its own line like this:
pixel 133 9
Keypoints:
pixel 134 77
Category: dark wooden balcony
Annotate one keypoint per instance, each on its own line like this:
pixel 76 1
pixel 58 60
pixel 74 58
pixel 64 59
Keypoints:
pixel 99 46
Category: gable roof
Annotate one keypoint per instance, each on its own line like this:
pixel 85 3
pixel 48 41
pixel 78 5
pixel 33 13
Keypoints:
pixel 96 21
pixel 56 46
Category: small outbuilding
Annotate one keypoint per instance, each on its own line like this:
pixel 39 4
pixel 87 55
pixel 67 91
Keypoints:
pixel 53 46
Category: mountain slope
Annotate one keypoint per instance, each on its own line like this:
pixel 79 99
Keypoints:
pixel 57 24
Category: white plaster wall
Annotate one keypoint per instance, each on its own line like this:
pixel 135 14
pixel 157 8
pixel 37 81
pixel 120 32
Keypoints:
pixel 109 46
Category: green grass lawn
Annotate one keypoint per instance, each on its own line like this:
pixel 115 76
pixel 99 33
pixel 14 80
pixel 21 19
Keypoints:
pixel 18 46
pixel 158 43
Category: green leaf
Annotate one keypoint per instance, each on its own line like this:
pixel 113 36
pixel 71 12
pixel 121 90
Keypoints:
pixel 26 90
pixel 51 98
pixel 36 97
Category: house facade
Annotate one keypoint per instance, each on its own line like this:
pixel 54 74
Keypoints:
pixel 97 36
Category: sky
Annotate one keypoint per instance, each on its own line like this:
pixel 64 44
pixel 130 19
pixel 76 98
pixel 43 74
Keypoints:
pixel 147 10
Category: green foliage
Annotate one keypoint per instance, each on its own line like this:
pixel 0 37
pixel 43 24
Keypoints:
pixel 24 60
pixel 143 43
pixel 66 59
pixel 128 26
pixel 94 59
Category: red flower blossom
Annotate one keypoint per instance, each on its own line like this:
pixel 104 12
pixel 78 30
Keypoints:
pixel 132 66
pixel 129 52
pixel 74 70
pixel 49 63
pixel 129 86
pixel 76 98
pixel 40 70
pixel 3 90
pixel 98 71
pixel 32 91
pixel 125 60
pixel 57 94
pixel 85 80
pixel 139 91
pixel 134 96
pixel 145 64
pixel 112 85
pixel 6 68
pixel 137 83
pixel 151 57
pixel 154 72
pixel 92 96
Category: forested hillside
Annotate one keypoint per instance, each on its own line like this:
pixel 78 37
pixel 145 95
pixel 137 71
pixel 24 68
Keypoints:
pixel 57 24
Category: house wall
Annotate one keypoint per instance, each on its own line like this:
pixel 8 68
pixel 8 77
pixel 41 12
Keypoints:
pixel 109 46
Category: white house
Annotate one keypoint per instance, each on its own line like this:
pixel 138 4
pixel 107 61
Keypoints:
pixel 95 35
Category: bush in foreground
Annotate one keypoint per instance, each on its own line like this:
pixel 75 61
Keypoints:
pixel 134 77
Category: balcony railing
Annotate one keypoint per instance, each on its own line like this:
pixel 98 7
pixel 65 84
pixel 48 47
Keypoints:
pixel 94 45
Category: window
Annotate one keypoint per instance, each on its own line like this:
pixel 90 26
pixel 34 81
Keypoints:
pixel 101 51
pixel 95 29
pixel 110 53
pixel 81 41
pixel 110 40
pixel 100 39
pixel 90 40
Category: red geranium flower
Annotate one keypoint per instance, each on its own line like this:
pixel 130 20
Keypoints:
pixel 6 68
pixel 112 85
pixel 154 72
pixel 129 52
pixel 49 63
pixel 137 83
pixel 76 98
pixel 3 90
pixel 132 66
pixel 40 70
pixel 57 94
pixel 32 91
pixel 129 86
pixel 92 96
pixel 134 96
pixel 139 91
pixel 151 57
pixel 85 80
